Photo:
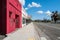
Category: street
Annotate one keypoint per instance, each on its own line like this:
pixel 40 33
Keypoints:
pixel 50 29
pixel 36 31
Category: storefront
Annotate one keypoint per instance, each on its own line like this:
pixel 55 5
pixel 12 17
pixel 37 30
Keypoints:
pixel 10 16
pixel 25 17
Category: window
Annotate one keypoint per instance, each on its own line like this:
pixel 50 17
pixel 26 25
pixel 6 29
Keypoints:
pixel 24 20
pixel 17 19
pixel 10 13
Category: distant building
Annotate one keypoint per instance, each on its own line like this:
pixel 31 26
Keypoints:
pixel 25 16
pixel 10 16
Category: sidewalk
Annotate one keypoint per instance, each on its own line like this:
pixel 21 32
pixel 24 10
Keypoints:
pixel 26 33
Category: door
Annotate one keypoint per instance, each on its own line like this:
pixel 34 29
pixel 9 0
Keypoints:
pixel 17 21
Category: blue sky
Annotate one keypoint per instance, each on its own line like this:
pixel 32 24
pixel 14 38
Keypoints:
pixel 41 9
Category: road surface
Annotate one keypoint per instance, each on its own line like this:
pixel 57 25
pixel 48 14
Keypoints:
pixel 50 29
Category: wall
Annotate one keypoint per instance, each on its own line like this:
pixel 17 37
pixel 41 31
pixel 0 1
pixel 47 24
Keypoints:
pixel 2 16
pixel 14 7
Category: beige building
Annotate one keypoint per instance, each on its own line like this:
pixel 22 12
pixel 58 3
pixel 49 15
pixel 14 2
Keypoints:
pixel 24 17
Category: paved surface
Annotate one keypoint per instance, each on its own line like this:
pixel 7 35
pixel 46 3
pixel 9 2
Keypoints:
pixel 36 31
pixel 50 29
pixel 2 37
pixel 26 33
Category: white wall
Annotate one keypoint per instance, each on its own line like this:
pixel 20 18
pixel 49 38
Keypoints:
pixel 23 20
pixel 25 16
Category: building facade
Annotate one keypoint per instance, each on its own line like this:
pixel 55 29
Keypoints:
pixel 25 17
pixel 10 16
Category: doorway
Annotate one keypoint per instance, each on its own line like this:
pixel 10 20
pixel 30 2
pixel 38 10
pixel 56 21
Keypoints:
pixel 17 21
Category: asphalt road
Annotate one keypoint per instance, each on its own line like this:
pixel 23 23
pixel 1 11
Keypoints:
pixel 50 29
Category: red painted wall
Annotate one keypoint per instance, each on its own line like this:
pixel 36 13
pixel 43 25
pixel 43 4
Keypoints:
pixel 10 16
pixel 15 7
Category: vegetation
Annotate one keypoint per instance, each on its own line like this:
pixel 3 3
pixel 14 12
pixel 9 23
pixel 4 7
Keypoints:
pixel 45 20
pixel 55 16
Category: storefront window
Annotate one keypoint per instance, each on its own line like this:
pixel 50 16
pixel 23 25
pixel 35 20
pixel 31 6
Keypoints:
pixel 10 13
pixel 11 19
pixel 17 20
pixel 24 20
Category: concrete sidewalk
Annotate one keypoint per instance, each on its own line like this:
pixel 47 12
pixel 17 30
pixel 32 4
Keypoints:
pixel 26 33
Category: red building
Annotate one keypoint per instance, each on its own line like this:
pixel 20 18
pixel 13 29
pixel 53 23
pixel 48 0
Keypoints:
pixel 10 16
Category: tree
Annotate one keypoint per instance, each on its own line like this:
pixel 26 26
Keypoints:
pixel 55 16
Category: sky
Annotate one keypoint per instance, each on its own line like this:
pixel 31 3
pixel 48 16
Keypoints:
pixel 41 9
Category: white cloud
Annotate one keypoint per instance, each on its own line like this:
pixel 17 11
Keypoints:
pixel 48 13
pixel 26 8
pixel 34 5
pixel 39 12
pixel 22 2
pixel 29 5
